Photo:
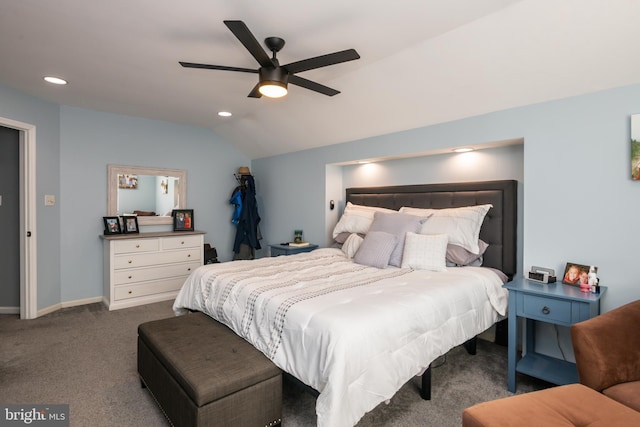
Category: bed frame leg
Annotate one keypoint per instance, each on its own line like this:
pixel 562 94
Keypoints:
pixel 470 346
pixel 425 390
pixel 502 333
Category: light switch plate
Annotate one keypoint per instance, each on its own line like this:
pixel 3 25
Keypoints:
pixel 49 200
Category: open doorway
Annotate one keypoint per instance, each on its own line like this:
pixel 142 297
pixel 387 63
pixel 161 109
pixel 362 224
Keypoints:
pixel 27 216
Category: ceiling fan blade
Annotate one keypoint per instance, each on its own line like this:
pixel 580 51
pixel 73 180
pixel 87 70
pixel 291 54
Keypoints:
pixel 322 61
pixel 241 31
pixel 308 84
pixel 217 67
pixel 255 93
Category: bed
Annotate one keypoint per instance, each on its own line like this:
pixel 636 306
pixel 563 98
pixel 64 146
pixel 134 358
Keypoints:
pixel 357 333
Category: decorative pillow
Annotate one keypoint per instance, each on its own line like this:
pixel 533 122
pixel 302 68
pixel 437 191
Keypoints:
pixel 376 249
pixel 397 224
pixel 356 219
pixel 351 245
pixel 425 251
pixel 461 224
pixel 459 256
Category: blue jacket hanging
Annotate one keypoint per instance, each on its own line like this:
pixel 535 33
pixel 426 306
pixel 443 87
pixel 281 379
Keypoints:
pixel 247 229
pixel 236 200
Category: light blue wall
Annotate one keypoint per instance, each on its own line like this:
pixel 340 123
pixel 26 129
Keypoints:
pixel 46 118
pixel 91 140
pixel 579 203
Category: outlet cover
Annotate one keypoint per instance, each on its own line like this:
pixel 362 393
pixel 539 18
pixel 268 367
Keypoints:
pixel 49 200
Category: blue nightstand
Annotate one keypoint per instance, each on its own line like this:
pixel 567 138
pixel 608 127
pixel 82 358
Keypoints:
pixel 277 250
pixel 554 303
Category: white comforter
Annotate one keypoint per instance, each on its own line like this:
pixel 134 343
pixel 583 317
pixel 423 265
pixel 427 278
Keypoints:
pixel 356 334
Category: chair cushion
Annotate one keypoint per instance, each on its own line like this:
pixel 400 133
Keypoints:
pixel 626 393
pixel 205 357
pixel 569 405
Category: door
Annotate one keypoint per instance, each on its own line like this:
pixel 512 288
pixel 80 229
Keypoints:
pixel 9 220
pixel 26 225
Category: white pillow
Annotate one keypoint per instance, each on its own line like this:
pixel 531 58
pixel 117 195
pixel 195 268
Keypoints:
pixel 357 219
pixel 351 245
pixel 462 225
pixel 425 251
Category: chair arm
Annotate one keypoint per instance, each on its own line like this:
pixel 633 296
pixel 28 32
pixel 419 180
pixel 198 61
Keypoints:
pixel 607 347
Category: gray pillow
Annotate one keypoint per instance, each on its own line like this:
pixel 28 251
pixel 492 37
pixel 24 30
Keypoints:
pixel 459 256
pixel 376 249
pixel 397 224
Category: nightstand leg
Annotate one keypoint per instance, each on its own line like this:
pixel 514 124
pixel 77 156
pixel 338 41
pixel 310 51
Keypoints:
pixel 512 344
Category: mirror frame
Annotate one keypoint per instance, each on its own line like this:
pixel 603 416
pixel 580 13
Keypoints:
pixel 112 189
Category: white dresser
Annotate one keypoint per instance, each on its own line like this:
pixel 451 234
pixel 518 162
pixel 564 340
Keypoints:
pixel 148 267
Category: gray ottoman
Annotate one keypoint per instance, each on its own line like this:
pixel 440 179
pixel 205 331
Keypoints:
pixel 202 374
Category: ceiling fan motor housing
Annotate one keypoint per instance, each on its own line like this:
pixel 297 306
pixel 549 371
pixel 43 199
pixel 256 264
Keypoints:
pixel 276 75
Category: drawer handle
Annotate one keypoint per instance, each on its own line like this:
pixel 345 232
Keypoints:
pixel 130 276
pixel 137 246
pixel 546 310
pixel 130 261
pixel 182 243
pixel 189 256
pixel 130 292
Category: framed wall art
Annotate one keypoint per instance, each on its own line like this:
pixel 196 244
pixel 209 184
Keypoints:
pixel 128 181
pixel 635 147
pixel 111 225
pixel 183 220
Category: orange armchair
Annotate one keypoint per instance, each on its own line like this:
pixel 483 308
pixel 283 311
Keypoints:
pixel 607 352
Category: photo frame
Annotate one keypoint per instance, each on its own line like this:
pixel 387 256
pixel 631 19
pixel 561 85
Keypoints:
pixel 111 225
pixel 128 181
pixel 183 220
pixel 575 274
pixel 130 224
pixel 635 147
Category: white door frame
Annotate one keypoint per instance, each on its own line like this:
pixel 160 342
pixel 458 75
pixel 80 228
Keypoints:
pixel 28 235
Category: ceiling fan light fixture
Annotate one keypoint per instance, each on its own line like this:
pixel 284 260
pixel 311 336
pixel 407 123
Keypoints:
pixel 273 90
pixel 273 82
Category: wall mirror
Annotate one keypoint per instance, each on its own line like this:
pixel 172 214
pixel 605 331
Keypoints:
pixel 151 193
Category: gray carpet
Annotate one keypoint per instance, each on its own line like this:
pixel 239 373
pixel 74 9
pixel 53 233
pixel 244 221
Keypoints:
pixel 86 357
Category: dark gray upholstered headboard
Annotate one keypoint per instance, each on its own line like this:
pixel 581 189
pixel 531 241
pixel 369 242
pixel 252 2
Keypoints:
pixel 498 228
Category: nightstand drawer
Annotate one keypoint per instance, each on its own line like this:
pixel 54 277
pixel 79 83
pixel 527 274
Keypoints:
pixel 546 309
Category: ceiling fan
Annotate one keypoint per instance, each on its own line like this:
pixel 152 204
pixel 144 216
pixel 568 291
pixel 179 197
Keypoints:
pixel 273 77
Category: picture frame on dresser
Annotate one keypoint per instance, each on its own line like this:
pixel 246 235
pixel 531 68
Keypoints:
pixel 130 224
pixel 183 220
pixel 111 225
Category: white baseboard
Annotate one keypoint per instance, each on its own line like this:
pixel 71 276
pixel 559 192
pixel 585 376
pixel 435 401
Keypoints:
pixel 67 304
pixel 9 310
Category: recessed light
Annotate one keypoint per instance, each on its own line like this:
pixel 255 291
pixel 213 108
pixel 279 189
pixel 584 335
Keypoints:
pixel 55 80
pixel 462 150
pixel 224 114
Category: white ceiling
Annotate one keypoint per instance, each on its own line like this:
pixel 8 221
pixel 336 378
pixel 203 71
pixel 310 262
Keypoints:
pixel 422 61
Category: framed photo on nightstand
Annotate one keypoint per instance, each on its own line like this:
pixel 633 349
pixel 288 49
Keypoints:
pixel 575 274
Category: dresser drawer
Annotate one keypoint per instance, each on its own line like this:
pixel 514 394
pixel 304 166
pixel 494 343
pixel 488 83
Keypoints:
pixel 148 288
pixel 156 258
pixel 182 242
pixel 136 245
pixel 152 273
pixel 546 309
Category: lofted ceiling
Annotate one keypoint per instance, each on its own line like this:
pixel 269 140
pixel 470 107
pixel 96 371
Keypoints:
pixel 422 61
